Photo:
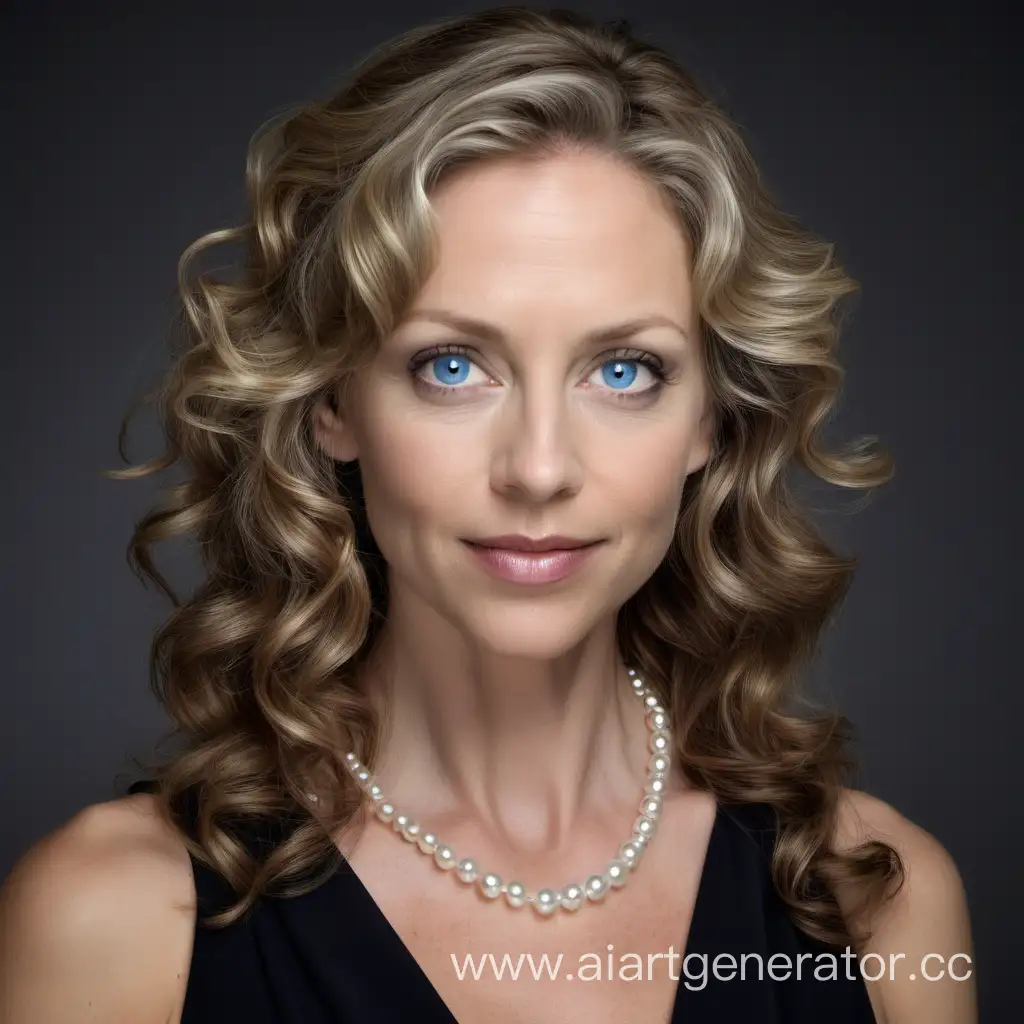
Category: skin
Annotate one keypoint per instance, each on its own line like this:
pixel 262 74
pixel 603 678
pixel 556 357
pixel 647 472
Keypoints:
pixel 511 730
pixel 509 700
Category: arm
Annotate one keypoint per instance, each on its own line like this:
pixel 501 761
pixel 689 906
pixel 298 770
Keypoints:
pixel 96 921
pixel 928 916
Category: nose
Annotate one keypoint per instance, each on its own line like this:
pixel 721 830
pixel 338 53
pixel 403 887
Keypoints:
pixel 536 456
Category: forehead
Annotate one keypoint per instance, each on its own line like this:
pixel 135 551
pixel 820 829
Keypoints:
pixel 568 238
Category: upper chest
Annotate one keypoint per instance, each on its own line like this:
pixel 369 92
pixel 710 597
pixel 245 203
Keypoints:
pixel 612 962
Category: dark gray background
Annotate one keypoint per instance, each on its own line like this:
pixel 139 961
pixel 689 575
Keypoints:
pixel 893 134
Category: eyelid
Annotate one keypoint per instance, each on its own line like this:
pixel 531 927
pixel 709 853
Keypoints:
pixel 638 355
pixel 441 349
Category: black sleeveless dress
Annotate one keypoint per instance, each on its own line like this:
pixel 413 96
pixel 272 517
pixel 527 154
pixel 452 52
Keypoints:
pixel 332 957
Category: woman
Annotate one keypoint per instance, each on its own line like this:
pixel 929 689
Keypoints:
pixel 506 594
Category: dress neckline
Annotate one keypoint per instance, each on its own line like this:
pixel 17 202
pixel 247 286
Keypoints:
pixel 382 928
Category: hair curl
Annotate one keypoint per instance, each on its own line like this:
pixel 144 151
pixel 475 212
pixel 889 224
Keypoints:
pixel 256 667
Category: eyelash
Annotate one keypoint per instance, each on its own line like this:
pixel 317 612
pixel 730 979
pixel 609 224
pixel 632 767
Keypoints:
pixel 631 355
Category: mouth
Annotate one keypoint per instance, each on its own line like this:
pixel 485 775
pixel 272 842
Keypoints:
pixel 547 565
pixel 519 542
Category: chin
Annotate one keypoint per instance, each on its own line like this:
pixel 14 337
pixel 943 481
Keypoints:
pixel 538 632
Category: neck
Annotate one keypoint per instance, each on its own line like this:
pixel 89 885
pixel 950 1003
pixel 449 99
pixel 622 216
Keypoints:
pixel 521 749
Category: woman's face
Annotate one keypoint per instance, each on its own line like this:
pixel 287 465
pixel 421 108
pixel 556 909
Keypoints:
pixel 498 407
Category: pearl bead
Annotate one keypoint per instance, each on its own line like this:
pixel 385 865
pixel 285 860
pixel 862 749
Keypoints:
pixel 617 873
pixel 658 720
pixel 572 897
pixel 490 885
pixel 630 853
pixel 644 826
pixel 656 786
pixel 651 806
pixel 546 902
pixel 515 894
pixel 444 857
pixel 660 742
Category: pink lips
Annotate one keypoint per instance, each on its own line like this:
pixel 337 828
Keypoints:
pixel 532 566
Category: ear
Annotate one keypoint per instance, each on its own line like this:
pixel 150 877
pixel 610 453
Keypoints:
pixel 331 431
pixel 702 444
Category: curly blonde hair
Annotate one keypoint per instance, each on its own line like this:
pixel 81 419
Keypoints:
pixel 256 668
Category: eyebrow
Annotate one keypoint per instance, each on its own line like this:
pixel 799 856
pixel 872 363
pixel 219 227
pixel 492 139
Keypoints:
pixel 598 335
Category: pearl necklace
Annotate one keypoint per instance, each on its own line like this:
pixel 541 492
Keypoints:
pixel 546 901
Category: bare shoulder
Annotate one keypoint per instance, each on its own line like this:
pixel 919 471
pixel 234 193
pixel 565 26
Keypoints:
pixel 96 920
pixel 932 879
pixel 921 940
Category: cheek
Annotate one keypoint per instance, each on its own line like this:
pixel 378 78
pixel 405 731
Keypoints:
pixel 652 517
pixel 644 480
pixel 410 478
pixel 649 512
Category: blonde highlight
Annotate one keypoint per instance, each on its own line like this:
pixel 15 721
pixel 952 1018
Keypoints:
pixel 256 667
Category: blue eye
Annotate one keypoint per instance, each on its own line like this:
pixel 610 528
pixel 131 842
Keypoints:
pixel 451 369
pixel 619 373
